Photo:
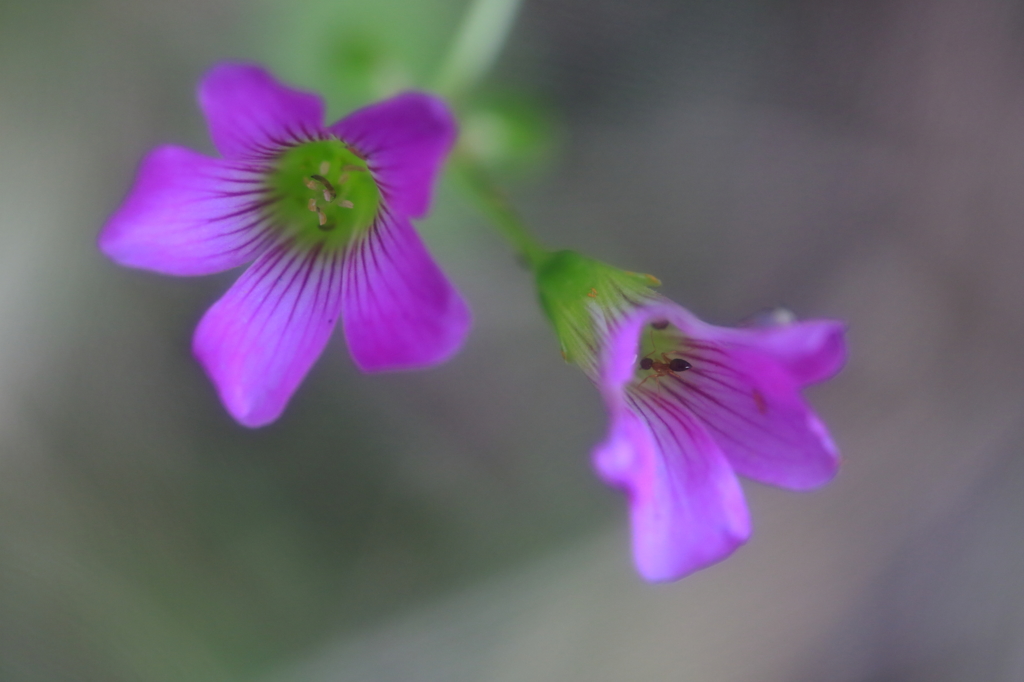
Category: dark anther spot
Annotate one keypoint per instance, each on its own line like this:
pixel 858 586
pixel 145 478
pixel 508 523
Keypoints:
pixel 646 363
pixel 679 365
pixel 660 324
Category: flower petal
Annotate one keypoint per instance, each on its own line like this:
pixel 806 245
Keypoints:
pixel 686 507
pixel 400 311
pixel 250 114
pixel 753 409
pixel 811 350
pixel 747 397
pixel 404 140
pixel 259 340
pixel 188 214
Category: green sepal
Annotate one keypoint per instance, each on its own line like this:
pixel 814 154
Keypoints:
pixel 579 294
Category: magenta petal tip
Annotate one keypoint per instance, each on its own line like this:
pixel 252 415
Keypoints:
pixel 399 309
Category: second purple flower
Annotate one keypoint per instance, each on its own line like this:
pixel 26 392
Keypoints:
pixel 691 405
pixel 323 210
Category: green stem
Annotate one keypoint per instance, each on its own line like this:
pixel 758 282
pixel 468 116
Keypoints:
pixel 495 204
pixel 483 32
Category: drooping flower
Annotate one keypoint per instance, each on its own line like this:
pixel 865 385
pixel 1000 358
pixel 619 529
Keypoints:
pixel 691 405
pixel 323 210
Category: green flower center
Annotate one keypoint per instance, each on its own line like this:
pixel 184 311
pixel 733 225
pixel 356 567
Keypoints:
pixel 660 355
pixel 323 193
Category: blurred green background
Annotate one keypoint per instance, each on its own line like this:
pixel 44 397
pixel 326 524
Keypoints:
pixel 854 160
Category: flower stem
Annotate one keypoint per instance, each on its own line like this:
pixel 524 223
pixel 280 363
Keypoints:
pixel 493 202
pixel 481 36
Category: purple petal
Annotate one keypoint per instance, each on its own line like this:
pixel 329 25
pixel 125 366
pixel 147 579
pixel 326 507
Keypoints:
pixel 811 350
pixel 686 507
pixel 262 337
pixel 400 312
pixel 404 140
pixel 751 406
pixel 747 397
pixel 188 214
pixel 251 115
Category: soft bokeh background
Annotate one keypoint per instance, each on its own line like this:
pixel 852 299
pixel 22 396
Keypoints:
pixel 855 160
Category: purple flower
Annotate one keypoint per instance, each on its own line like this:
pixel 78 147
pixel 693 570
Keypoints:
pixel 323 211
pixel 691 406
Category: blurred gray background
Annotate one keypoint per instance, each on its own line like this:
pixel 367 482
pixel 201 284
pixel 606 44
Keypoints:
pixel 855 160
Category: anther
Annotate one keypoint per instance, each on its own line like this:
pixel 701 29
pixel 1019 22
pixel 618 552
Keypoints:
pixel 311 205
pixel 308 182
pixel 329 193
pixel 345 203
pixel 343 178
pixel 323 181
pixel 324 167
pixel 352 167
pixel 321 216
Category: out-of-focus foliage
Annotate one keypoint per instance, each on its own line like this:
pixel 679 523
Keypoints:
pixel 355 52
pixel 512 133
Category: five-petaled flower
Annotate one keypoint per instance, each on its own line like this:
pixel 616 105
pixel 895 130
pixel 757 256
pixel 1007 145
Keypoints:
pixel 691 405
pixel 323 210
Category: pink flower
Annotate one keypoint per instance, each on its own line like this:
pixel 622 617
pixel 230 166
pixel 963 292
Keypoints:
pixel 693 405
pixel 323 211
